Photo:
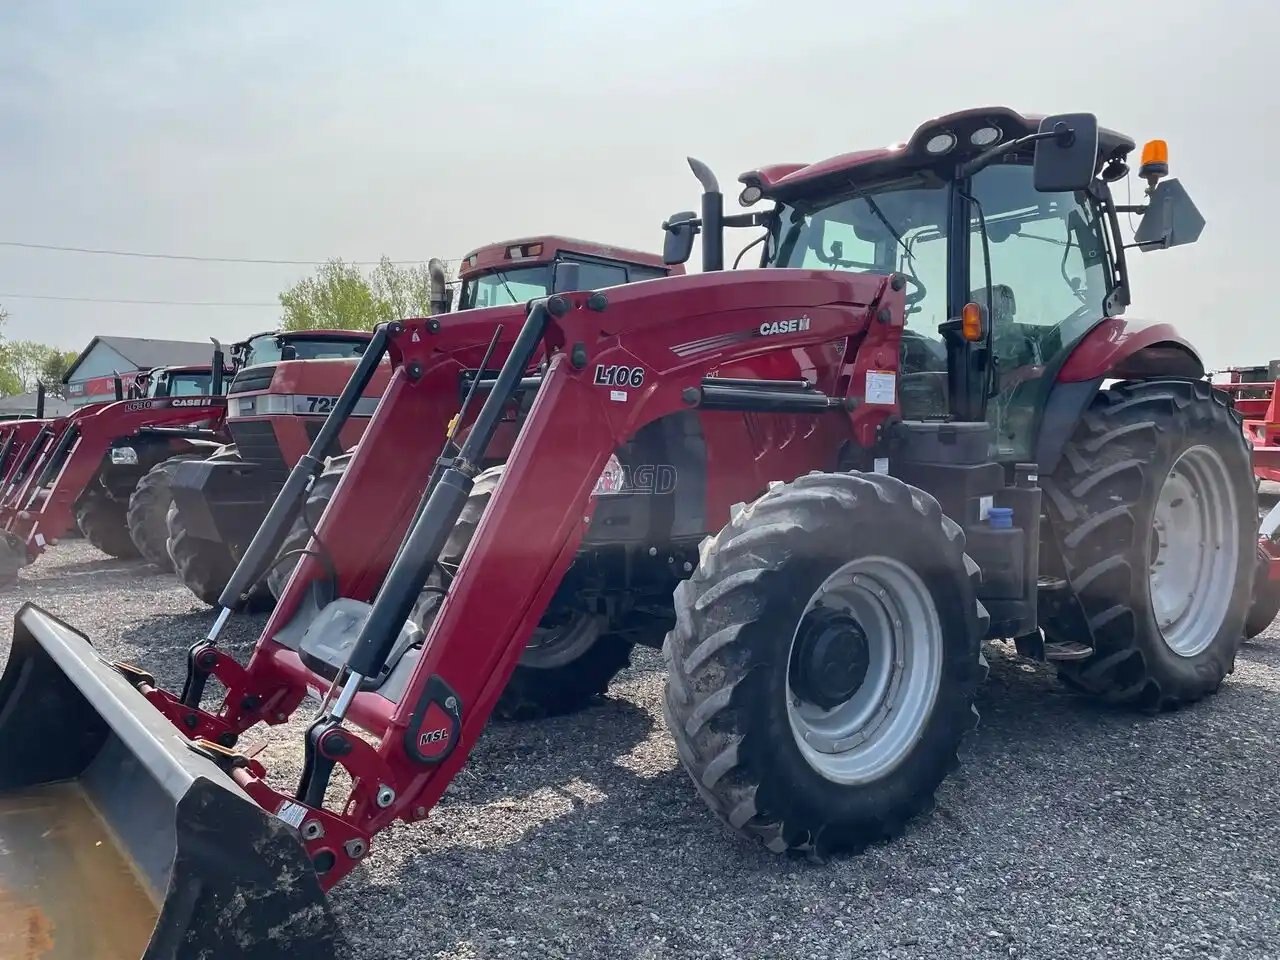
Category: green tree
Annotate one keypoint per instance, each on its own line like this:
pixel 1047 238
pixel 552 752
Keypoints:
pixel 25 361
pixel 339 296
pixel 54 369
pixel 9 382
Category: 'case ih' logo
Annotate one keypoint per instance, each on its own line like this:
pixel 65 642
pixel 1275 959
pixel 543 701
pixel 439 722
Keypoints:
pixel 794 325
pixel 191 402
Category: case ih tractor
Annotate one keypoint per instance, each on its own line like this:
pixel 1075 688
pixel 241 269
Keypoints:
pixel 284 383
pixel 82 469
pixel 288 383
pixel 888 444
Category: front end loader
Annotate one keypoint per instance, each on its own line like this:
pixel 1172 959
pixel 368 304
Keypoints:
pixel 885 480
pixel 81 470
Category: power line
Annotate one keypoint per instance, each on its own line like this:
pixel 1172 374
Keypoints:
pixel 158 303
pixel 191 257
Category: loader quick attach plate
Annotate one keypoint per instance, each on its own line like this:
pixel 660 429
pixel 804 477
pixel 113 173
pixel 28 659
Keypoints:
pixel 117 840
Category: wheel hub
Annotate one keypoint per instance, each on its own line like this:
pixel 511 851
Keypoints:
pixel 864 669
pixel 1193 551
pixel 830 658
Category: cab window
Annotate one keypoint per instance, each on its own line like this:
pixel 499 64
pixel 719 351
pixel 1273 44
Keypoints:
pixel 1048 285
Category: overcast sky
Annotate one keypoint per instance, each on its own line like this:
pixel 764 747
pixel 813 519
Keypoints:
pixel 315 129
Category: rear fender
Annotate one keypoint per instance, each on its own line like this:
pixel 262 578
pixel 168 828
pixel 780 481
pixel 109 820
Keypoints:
pixel 1123 349
pixel 1116 349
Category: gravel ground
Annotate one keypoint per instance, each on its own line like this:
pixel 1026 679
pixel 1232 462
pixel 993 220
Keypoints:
pixel 1071 830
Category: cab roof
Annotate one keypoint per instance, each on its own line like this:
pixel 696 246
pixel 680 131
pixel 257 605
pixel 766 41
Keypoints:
pixel 784 180
pixel 352 336
pixel 533 251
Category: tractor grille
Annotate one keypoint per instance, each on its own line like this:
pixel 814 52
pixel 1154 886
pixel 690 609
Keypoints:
pixel 257 377
pixel 256 442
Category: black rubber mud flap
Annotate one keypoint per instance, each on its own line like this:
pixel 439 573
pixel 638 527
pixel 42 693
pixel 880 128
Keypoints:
pixel 129 841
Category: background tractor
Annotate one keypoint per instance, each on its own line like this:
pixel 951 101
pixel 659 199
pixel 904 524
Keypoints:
pixel 81 470
pixel 289 382
pixel 891 443
pixel 1255 392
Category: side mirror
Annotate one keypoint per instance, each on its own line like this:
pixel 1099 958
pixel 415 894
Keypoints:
pixel 1171 219
pixel 681 228
pixel 288 352
pixel 1067 156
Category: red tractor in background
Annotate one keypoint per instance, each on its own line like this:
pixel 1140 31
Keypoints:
pixel 287 384
pixel 81 469
pixel 893 441
pixel 1257 396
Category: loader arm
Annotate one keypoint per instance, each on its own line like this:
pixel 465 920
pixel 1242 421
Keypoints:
pixel 532 528
pixel 41 506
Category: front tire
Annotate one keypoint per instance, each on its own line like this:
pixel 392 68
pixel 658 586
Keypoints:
pixel 1154 509
pixel 148 511
pixel 205 566
pixel 105 524
pixel 822 670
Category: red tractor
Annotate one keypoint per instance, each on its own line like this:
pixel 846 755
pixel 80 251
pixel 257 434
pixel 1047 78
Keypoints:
pixel 1257 397
pixel 288 383
pixel 83 468
pixel 890 443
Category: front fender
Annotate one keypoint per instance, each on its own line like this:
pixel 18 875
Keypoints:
pixel 1123 349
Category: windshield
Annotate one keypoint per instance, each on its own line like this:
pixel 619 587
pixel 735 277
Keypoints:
pixel 899 227
pixel 268 348
pixel 502 287
pixel 189 384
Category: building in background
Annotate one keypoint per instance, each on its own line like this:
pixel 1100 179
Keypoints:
pixel 90 378
pixel 24 405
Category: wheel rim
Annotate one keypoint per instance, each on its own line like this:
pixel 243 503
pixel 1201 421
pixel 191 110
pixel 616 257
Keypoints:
pixel 891 674
pixel 1194 551
pixel 556 642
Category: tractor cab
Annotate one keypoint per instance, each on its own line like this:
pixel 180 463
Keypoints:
pixel 517 271
pixel 185 381
pixel 1005 233
pixel 298 345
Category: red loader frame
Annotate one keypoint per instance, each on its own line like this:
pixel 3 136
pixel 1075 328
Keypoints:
pixel 64 455
pixel 574 425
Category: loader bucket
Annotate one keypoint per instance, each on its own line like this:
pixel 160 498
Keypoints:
pixel 118 841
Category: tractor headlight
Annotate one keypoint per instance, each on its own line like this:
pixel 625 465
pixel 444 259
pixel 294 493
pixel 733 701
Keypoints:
pixel 940 143
pixel 124 456
pixel 984 136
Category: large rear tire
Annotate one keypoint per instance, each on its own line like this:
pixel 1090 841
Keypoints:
pixel 148 511
pixel 105 524
pixel 572 656
pixel 299 535
pixel 822 670
pixel 205 566
pixel 1155 513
